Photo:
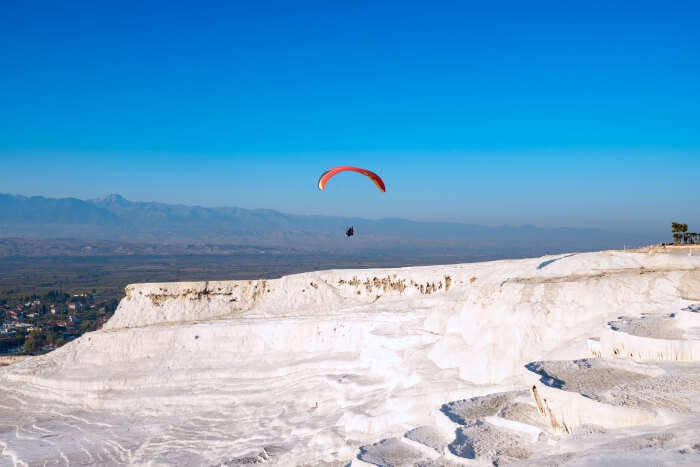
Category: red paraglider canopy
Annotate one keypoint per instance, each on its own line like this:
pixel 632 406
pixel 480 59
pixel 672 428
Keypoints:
pixel 367 173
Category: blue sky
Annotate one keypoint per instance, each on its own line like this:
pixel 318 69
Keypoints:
pixel 548 113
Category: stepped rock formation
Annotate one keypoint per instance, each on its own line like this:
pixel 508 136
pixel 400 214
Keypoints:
pixel 583 358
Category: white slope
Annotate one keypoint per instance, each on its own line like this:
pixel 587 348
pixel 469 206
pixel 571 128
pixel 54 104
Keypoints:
pixel 319 367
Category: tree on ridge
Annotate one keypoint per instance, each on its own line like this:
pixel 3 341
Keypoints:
pixel 678 230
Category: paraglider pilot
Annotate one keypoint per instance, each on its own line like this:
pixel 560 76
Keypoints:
pixel 350 232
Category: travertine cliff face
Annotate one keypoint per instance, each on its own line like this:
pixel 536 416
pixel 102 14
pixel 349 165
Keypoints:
pixel 344 365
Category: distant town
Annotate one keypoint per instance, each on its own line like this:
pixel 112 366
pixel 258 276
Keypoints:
pixel 38 324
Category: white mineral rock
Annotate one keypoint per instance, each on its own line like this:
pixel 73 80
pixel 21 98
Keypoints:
pixel 336 366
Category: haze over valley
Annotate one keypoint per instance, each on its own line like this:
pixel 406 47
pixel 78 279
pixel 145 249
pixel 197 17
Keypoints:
pixel 113 225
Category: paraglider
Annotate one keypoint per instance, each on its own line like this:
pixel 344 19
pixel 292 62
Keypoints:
pixel 328 174
pixel 342 168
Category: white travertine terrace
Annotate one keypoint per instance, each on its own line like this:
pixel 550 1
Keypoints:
pixel 370 366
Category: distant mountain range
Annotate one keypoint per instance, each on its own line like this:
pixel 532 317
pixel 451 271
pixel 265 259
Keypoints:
pixel 116 219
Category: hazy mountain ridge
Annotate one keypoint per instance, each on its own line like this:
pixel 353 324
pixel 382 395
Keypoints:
pixel 118 219
pixel 39 210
